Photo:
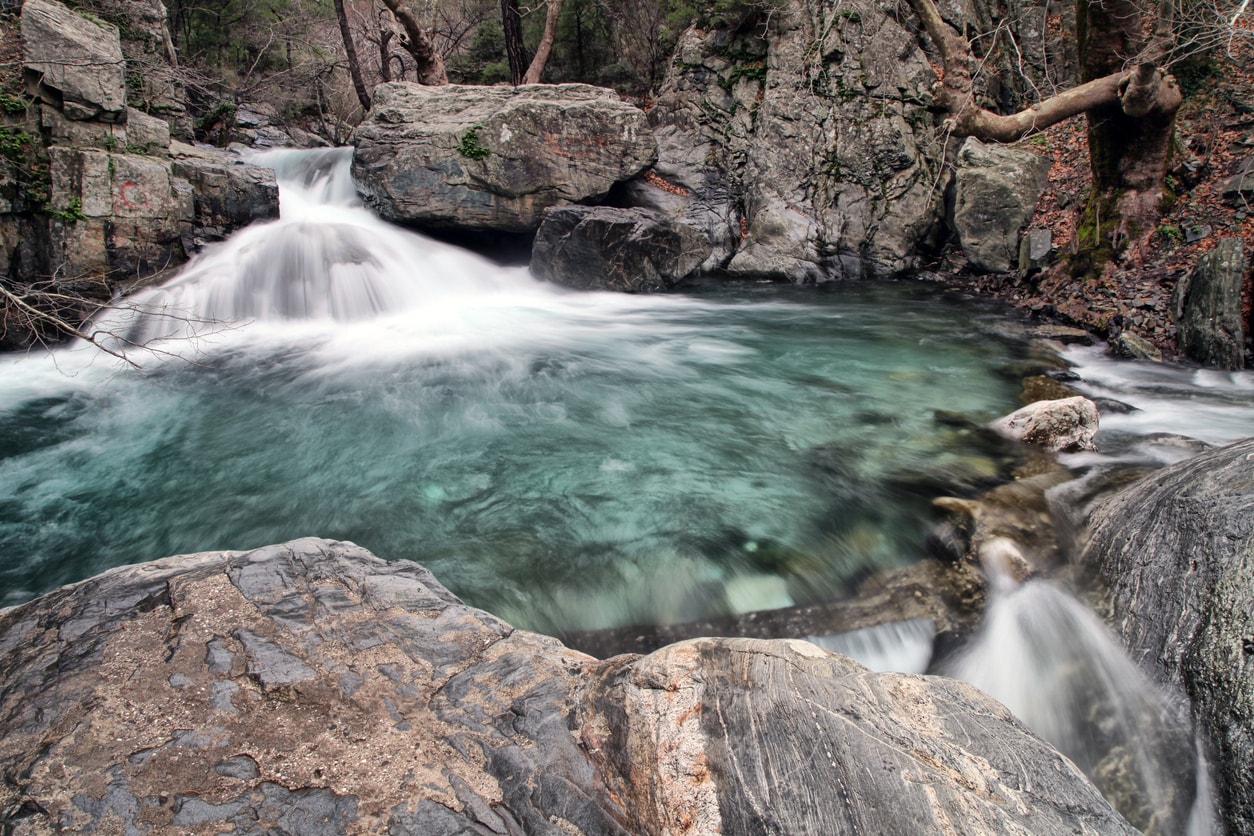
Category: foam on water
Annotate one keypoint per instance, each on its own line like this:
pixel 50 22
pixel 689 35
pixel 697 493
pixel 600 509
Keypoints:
pixel 897 646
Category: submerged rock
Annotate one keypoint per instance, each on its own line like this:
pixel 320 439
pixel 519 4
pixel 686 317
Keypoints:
pixel 1177 551
pixel 1132 346
pixel 313 688
pixel 602 248
pixel 494 158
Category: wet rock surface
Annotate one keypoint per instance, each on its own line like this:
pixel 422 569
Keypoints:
pixel 313 688
pixel 1065 425
pixel 494 158
pixel 603 248
pixel 1177 551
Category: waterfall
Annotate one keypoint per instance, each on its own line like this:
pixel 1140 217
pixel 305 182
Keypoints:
pixel 326 258
pixel 899 646
pixel 575 460
pixel 1059 669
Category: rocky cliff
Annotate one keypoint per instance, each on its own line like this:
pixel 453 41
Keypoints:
pixel 801 142
pixel 96 193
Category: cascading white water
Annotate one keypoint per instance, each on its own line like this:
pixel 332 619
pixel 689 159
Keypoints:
pixel 898 646
pixel 325 258
pixel 1152 405
pixel 1059 669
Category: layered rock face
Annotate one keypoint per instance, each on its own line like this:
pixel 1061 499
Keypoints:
pixel 312 688
pixel 114 205
pixel 494 158
pixel 801 144
pixel 1177 550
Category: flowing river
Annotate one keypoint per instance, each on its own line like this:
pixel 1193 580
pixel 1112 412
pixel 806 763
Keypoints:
pixel 566 460
pixel 569 461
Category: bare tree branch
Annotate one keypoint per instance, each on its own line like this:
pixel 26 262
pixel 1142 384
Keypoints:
pixel 418 44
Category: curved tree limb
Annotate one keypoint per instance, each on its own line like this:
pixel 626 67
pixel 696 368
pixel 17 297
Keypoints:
pixel 418 44
pixel 1142 90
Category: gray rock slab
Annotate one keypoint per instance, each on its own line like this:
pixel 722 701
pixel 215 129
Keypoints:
pixel 1176 550
pixel 494 157
pixel 73 62
pixel 995 192
pixel 453 722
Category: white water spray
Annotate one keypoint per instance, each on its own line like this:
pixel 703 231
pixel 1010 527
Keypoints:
pixel 1060 670
pixel 325 258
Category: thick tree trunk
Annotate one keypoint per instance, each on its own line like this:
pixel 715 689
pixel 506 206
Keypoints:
pixel 350 50
pixel 541 57
pixel 1130 105
pixel 1130 141
pixel 511 22
pixel 418 44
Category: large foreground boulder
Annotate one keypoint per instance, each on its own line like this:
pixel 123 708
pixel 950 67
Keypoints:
pixel 494 158
pixel 312 688
pixel 603 248
pixel 1177 550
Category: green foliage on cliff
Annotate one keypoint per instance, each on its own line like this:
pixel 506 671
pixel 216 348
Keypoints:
pixel 471 147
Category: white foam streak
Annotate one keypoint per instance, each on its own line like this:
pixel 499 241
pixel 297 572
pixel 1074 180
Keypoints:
pixel 898 646
pixel 1060 670
pixel 1213 406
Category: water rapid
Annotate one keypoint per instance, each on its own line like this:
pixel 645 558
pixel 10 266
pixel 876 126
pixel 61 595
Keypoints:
pixel 1060 670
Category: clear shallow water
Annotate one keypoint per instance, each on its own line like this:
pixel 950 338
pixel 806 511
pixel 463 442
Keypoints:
pixel 565 460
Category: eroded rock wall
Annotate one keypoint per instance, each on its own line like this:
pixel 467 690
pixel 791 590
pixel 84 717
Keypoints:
pixel 802 144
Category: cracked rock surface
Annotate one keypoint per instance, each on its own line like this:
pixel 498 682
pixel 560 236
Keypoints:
pixel 310 688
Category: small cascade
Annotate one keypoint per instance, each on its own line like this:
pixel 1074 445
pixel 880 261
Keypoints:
pixel 897 646
pixel 1159 413
pixel 325 258
pixel 1060 670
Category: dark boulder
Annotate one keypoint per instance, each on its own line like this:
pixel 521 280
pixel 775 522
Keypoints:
pixel 313 688
pixel 1177 551
pixel 601 248
pixel 1208 307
